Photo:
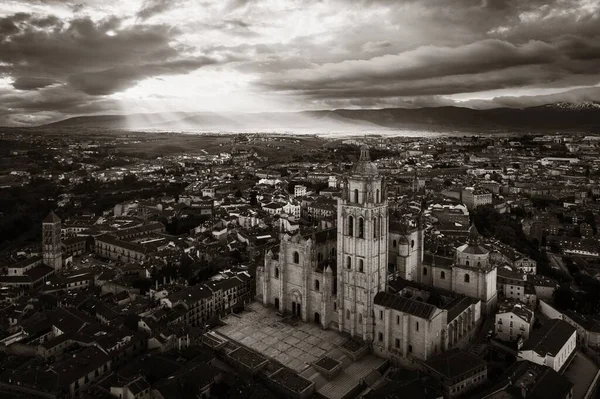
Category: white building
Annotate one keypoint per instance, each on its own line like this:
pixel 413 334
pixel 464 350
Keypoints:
pixel 551 345
pixel 514 320
pixel 299 191
pixel 473 197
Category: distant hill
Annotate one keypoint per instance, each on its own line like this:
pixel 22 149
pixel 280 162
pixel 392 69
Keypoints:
pixel 551 117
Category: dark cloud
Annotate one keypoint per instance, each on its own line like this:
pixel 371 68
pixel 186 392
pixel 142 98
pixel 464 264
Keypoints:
pixel 31 83
pixel 123 77
pixel 431 70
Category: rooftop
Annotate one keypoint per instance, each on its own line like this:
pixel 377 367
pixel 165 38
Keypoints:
pixel 550 338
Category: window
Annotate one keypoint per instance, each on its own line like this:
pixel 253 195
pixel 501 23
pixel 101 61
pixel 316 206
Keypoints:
pixel 332 251
pixel 467 278
pixel 360 318
pixel 409 348
pixel 442 275
pixel 348 313
pixel 417 326
pixel 319 257
pixel 381 315
pixel 296 257
pixel 412 243
pixel 467 263
pixel 361 265
pixel 316 285
pixel 377 195
pixel 424 271
pixel 350 226
pixel 397 343
pixel 335 306
pixel 361 228
pixel 348 262
pixel 394 243
pixel 478 263
pixel 397 319
pixel 276 272
pixel 380 337
pixel 356 196
pixel 374 227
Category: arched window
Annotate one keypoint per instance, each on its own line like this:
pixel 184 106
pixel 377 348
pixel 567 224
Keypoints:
pixel 467 278
pixel 348 313
pixel 442 275
pixel 424 271
pixel 361 265
pixel 412 243
pixel 394 243
pixel 316 285
pixel 360 318
pixel 356 196
pixel 417 326
pixel 296 257
pixel 276 272
pixel 375 229
pixel 409 348
pixel 377 195
pixel 478 263
pixel 350 226
pixel 467 263
pixel 349 262
pixel 361 228
pixel 319 257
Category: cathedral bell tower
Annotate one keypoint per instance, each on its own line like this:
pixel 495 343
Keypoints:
pixel 361 247
pixel 51 242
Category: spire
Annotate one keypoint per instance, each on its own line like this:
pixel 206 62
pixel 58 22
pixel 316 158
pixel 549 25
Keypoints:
pixel 364 153
pixel 473 235
pixel 51 218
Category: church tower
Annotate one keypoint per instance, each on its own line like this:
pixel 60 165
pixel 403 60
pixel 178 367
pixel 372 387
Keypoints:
pixel 473 274
pixel 51 243
pixel 362 251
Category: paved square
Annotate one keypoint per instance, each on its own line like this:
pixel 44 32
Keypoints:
pixel 295 347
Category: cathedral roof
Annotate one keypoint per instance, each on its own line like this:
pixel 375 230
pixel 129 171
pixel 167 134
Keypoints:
pixel 51 218
pixel 365 166
pixel 406 305
pixel 472 249
pixel 472 246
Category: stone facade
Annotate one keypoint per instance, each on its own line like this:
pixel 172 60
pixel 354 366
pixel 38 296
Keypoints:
pixel 470 273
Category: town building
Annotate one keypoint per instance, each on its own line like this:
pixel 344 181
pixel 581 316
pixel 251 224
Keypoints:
pixel 458 372
pixel 514 321
pixel 551 345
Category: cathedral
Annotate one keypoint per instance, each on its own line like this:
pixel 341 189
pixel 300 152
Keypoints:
pixel 368 278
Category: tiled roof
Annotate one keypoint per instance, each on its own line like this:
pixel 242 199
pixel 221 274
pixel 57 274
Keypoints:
pixel 550 338
pixel 455 363
pixel 406 305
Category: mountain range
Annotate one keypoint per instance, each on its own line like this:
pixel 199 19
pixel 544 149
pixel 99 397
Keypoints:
pixel 551 117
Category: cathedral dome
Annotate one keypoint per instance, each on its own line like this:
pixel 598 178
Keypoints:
pixel 365 166
pixel 472 246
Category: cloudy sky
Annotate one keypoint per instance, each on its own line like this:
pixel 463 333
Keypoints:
pixel 60 58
